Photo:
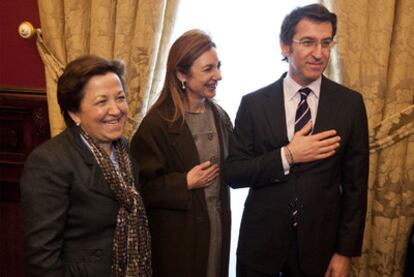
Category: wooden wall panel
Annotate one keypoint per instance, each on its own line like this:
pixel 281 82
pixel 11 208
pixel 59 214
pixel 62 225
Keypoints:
pixel 24 124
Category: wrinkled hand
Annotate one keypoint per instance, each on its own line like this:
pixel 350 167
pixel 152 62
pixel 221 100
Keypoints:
pixel 202 175
pixel 308 148
pixel 339 266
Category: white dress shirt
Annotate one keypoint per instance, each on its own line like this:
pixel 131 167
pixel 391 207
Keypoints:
pixel 291 98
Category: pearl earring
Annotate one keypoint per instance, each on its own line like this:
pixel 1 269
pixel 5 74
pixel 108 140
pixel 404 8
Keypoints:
pixel 183 85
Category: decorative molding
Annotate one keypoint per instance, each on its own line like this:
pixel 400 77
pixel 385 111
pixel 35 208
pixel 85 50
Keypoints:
pixel 22 90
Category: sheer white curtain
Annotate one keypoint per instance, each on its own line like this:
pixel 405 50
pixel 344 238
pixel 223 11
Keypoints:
pixel 247 38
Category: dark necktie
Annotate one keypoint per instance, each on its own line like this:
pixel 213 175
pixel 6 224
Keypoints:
pixel 303 113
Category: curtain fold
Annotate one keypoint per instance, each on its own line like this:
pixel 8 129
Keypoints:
pixel 375 55
pixel 137 32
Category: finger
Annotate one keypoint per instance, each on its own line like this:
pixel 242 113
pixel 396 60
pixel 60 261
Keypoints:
pixel 328 148
pixel 306 129
pixel 325 134
pixel 213 174
pixel 330 141
pixel 208 172
pixel 212 177
pixel 209 181
pixel 206 182
pixel 211 169
pixel 204 165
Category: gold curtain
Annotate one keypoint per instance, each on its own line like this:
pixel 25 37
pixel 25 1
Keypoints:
pixel 136 31
pixel 375 55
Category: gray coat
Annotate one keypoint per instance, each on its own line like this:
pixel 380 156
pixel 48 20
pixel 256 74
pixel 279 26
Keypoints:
pixel 69 211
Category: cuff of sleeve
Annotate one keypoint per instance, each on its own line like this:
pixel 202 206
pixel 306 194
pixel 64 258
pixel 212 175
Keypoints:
pixel 286 166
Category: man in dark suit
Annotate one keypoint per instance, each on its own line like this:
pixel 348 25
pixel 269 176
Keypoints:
pixel 301 146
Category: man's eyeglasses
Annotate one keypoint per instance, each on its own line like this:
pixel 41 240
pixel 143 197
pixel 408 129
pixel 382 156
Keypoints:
pixel 312 43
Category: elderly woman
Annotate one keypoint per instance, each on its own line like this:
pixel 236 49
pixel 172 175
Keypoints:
pixel 82 213
pixel 180 146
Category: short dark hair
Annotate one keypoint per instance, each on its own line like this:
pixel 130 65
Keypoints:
pixel 75 77
pixel 313 12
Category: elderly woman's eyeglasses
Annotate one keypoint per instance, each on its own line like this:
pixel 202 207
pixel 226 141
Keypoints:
pixel 312 43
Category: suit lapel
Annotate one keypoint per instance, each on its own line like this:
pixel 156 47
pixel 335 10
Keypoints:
pixel 96 183
pixel 325 113
pixel 183 144
pixel 186 153
pixel 274 108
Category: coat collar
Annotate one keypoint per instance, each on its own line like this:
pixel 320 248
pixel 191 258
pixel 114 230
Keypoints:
pixel 182 140
pixel 96 181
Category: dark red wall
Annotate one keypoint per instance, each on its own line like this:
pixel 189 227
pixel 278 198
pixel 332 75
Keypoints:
pixel 20 63
pixel 20 67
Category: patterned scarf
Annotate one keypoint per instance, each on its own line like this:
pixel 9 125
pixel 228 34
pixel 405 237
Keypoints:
pixel 131 250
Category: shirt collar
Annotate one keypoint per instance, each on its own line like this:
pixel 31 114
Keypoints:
pixel 112 156
pixel 291 87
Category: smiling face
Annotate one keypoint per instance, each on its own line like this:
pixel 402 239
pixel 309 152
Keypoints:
pixel 307 64
pixel 103 109
pixel 203 76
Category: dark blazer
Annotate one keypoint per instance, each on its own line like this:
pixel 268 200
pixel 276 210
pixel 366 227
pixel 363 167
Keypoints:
pixel 331 192
pixel 69 211
pixel 178 217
